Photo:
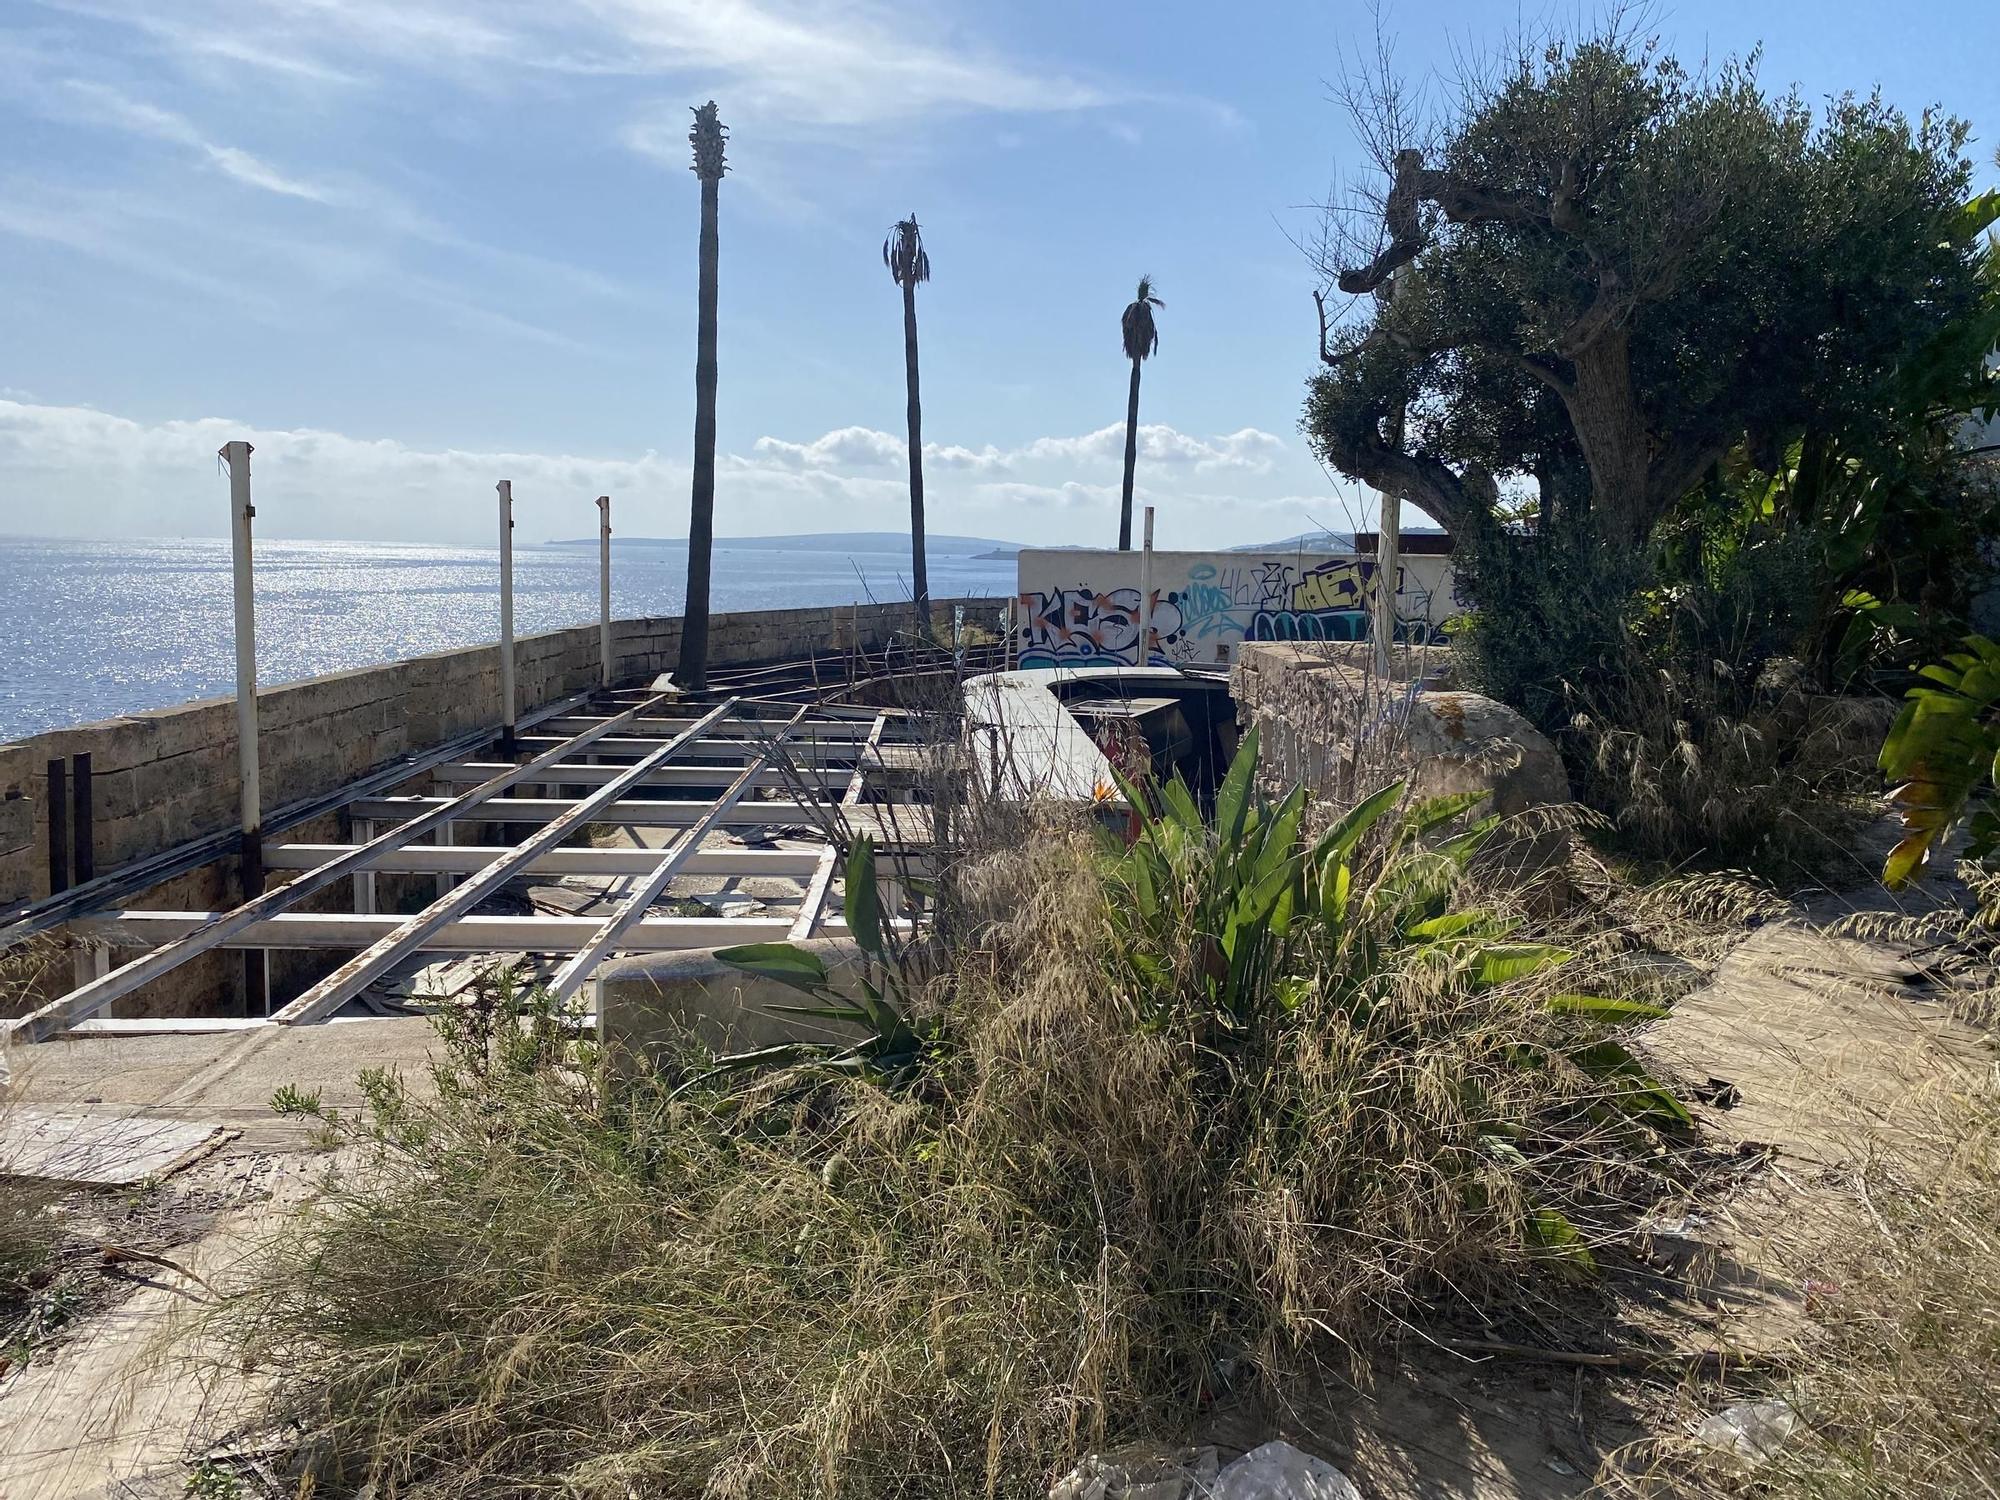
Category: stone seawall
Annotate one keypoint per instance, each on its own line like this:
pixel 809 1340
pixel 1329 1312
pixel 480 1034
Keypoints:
pixel 165 776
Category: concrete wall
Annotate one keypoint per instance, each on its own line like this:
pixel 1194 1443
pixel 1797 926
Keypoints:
pixel 1081 608
pixel 165 776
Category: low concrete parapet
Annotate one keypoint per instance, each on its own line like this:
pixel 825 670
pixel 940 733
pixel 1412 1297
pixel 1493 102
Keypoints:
pixel 661 1002
pixel 166 776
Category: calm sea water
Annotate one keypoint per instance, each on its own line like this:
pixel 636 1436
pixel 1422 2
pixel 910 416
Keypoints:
pixel 93 629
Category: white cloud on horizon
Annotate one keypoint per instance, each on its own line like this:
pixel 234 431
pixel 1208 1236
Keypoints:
pixel 68 470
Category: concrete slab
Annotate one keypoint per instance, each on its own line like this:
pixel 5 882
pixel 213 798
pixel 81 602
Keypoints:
pixel 218 1075
pixel 99 1149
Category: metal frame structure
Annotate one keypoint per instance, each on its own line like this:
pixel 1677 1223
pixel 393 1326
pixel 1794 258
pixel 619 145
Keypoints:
pixel 762 748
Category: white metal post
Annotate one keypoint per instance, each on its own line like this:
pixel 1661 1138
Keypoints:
pixel 250 791
pixel 604 585
pixel 1388 570
pixel 506 489
pixel 1146 593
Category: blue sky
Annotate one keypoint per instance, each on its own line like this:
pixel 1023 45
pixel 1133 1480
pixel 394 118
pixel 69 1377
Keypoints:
pixel 409 247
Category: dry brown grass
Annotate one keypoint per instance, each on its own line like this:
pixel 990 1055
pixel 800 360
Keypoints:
pixel 1690 768
pixel 1893 1382
pixel 1092 1214
pixel 28 1228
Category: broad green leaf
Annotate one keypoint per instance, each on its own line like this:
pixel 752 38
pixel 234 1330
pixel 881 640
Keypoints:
pixel 1432 811
pixel 1509 961
pixel 1180 805
pixel 1461 847
pixel 1606 1008
pixel 1978 214
pixel 863 897
pixel 1461 924
pixel 1640 1093
pixel 1336 882
pixel 797 967
pixel 1554 1233
pixel 1232 798
pixel 1340 840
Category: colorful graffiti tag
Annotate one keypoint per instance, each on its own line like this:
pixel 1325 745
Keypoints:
pixel 1328 602
pixel 1084 628
pixel 1205 604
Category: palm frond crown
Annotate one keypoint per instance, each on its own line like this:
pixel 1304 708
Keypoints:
pixel 904 254
pixel 1142 339
pixel 708 135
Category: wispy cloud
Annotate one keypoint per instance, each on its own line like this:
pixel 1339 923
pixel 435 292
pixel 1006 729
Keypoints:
pixel 814 65
pixel 92 102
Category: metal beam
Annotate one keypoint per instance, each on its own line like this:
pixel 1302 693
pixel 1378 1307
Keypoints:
pixel 824 728
pixel 88 999
pixel 364 968
pixel 620 810
pixel 462 934
pixel 839 750
pixel 634 907
pixel 470 773
pixel 822 880
pixel 116 886
pixel 464 859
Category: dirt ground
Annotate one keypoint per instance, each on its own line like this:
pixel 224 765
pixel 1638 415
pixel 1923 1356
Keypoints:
pixel 120 1399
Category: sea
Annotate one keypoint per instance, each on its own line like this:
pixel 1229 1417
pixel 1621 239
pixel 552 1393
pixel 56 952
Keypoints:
pixel 93 629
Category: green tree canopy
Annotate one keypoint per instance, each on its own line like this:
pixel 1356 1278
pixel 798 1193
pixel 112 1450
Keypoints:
pixel 1603 272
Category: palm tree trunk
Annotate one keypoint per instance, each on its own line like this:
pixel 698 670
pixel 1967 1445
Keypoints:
pixel 1131 461
pixel 701 513
pixel 919 574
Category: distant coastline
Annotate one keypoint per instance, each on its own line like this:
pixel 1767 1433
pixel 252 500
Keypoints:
pixel 982 547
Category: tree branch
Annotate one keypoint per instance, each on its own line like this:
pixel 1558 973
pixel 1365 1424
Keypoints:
pixel 1545 371
pixel 1424 482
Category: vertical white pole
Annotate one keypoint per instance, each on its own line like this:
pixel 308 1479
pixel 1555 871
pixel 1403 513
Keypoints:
pixel 1388 569
pixel 506 489
pixel 250 809
pixel 604 585
pixel 1146 594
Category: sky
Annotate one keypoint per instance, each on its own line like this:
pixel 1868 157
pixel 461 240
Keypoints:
pixel 407 248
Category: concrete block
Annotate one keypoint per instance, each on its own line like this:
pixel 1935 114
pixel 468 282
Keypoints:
pixel 658 1000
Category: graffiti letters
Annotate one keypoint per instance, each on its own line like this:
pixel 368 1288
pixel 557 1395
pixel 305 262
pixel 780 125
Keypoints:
pixel 1085 628
pixel 1203 605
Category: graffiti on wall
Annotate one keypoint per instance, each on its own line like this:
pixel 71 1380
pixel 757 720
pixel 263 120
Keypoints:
pixel 1085 628
pixel 1207 604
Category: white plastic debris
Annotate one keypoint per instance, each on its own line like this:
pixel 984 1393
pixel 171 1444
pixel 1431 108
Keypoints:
pixel 1278 1471
pixel 1164 1474
pixel 1750 1432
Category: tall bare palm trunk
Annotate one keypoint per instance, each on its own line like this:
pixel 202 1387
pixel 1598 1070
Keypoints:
pixel 701 516
pixel 1131 461
pixel 919 574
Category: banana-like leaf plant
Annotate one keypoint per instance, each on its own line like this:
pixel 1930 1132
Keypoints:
pixel 1943 757
pixel 1274 922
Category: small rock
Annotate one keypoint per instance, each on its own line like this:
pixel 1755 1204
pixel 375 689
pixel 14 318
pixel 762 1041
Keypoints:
pixel 1278 1471
pixel 1750 1432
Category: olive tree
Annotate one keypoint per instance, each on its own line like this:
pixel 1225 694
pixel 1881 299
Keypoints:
pixel 1597 272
